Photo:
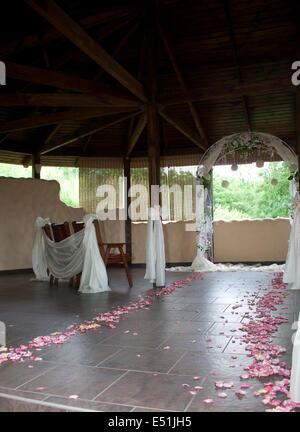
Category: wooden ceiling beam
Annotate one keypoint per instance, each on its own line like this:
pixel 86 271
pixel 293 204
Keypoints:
pixel 121 43
pixel 225 92
pixel 75 33
pixel 139 77
pixel 67 82
pixel 84 132
pixel 59 117
pixel 183 85
pixel 185 130
pixel 140 126
pixel 103 17
pixel 98 35
pixel 61 100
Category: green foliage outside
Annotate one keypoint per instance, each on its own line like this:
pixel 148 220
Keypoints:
pixel 254 198
pixel 17 171
pixel 68 179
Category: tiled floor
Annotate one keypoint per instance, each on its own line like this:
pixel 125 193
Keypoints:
pixel 115 370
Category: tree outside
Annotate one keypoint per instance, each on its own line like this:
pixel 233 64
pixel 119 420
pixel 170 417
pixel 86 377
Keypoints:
pixel 255 196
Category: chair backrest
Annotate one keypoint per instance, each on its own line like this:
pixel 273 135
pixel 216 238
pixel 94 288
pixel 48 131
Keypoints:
pixel 47 229
pixel 78 226
pixel 60 231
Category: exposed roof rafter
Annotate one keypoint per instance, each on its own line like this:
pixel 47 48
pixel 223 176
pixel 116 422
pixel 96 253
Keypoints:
pixel 182 84
pixel 63 100
pixel 65 81
pixel 140 126
pixel 84 132
pixel 59 117
pixel 225 92
pixel 75 33
pixel 184 129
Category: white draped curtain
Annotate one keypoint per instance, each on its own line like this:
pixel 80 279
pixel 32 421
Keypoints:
pixel 155 248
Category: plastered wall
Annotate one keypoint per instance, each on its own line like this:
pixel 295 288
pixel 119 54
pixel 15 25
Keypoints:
pixel 180 245
pixel 251 240
pixel 22 200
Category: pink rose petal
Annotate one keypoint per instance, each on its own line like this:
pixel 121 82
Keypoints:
pixel 208 401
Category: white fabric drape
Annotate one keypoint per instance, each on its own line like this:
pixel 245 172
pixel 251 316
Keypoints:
pixel 39 263
pixel 201 263
pixel 155 249
pixel 204 265
pixel 292 267
pixel 295 372
pixel 71 256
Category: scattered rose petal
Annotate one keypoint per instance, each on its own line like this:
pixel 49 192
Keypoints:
pixel 208 401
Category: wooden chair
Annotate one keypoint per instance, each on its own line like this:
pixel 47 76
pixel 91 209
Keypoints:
pixel 109 258
pixel 60 232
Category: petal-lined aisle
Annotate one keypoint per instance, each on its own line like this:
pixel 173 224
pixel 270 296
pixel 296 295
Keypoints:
pixel 210 342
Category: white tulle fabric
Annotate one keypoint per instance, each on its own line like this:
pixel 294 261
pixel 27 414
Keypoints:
pixel 292 266
pixel 295 372
pixel 71 256
pixel 155 249
pixel 204 265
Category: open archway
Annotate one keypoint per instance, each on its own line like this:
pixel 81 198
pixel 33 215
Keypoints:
pixel 246 144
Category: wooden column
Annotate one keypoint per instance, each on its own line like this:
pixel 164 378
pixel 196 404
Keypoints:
pixel 153 134
pixel 36 166
pixel 128 220
pixel 153 140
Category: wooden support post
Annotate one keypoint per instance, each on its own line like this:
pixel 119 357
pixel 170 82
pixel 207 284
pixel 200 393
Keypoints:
pixel 36 166
pixel 127 198
pixel 153 139
pixel 153 135
pixel 153 131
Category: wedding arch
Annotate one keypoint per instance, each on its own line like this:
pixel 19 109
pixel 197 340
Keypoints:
pixel 245 144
